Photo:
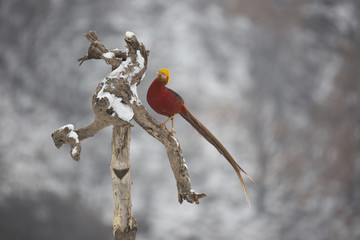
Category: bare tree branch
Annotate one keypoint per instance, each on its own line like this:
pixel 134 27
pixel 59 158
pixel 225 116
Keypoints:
pixel 174 152
pixel 115 102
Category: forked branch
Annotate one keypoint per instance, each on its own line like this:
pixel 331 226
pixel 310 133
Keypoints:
pixel 115 102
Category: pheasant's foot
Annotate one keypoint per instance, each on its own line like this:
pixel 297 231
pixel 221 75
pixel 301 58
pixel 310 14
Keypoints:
pixel 172 124
pixel 170 118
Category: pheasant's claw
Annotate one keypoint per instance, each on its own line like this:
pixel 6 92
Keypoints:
pixel 172 130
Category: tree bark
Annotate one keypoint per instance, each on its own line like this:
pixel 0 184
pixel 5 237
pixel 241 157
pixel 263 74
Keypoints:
pixel 115 102
pixel 124 223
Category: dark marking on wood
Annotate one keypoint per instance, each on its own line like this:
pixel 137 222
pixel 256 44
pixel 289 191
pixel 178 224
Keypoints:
pixel 121 173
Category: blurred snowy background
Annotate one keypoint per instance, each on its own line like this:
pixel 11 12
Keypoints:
pixel 277 81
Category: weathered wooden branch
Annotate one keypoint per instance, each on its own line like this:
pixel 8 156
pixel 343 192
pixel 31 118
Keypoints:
pixel 97 51
pixel 115 102
pixel 173 149
pixel 124 223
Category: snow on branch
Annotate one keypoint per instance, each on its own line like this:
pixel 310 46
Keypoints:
pixel 116 102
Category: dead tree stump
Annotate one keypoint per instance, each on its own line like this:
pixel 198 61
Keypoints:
pixel 115 102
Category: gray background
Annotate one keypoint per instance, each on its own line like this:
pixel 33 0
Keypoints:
pixel 277 81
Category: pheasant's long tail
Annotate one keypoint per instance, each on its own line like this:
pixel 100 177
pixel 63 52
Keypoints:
pixel 203 131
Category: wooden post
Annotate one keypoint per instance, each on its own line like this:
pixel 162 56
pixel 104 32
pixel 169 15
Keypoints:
pixel 124 223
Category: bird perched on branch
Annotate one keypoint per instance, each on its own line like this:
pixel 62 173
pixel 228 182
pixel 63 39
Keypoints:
pixel 168 103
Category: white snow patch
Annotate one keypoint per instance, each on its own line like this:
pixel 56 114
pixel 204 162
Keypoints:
pixel 140 59
pixel 135 97
pixel 177 142
pixel 74 136
pixel 71 134
pixel 118 72
pixel 69 126
pixel 112 86
pixel 74 151
pixel 129 34
pixel 123 110
pixel 109 55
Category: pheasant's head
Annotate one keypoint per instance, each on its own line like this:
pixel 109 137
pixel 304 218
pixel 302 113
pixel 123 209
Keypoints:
pixel 163 75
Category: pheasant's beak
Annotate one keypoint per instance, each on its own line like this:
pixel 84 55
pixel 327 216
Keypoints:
pixel 157 73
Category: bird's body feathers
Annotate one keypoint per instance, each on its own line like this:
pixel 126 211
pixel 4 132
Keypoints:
pixel 168 103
